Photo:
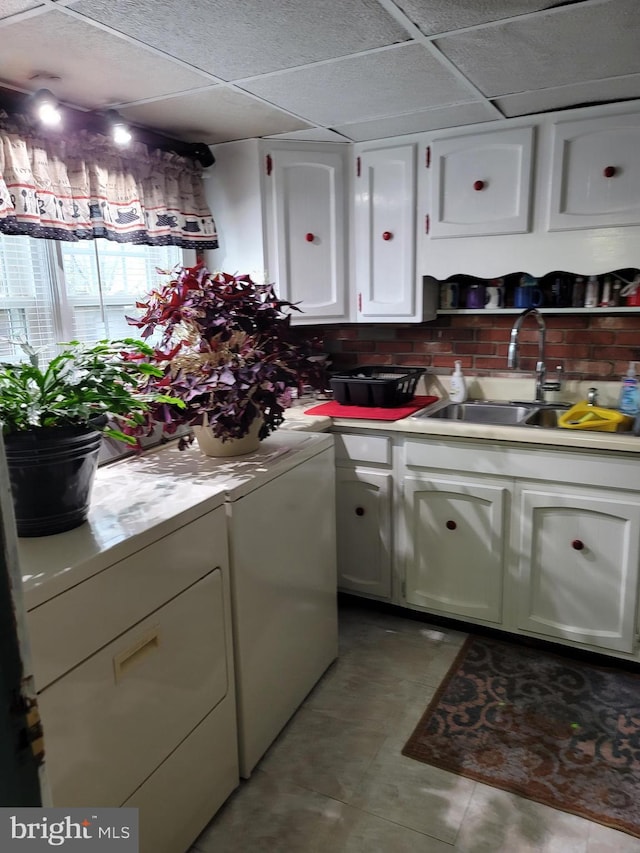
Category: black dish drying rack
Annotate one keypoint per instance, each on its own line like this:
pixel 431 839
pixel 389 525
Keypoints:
pixel 387 386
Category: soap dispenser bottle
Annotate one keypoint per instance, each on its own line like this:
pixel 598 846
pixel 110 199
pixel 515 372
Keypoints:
pixel 458 385
pixel 629 403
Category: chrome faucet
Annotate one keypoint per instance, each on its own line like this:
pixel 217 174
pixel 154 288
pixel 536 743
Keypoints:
pixel 513 359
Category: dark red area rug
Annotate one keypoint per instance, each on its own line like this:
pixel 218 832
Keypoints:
pixel 555 730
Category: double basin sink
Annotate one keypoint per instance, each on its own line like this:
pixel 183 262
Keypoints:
pixel 497 413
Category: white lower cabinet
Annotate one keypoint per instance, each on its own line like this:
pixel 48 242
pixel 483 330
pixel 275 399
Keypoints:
pixel 455 554
pixel 363 519
pixel 364 513
pixel 577 552
pixel 542 541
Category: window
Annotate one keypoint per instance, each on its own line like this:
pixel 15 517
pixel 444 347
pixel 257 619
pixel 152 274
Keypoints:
pixel 51 292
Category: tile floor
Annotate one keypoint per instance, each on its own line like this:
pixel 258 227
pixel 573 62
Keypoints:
pixel 335 781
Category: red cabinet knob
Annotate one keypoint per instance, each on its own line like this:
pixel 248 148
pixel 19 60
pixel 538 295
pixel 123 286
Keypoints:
pixel 387 235
pixel 478 185
pixel 451 525
pixel 309 237
pixel 577 544
pixel 359 510
pixel 609 171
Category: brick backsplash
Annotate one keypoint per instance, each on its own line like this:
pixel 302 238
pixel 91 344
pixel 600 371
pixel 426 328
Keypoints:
pixel 597 346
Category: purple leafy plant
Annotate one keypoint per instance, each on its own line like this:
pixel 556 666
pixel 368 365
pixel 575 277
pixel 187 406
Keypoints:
pixel 227 353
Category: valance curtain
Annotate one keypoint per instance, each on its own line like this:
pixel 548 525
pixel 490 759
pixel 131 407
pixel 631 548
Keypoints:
pixel 81 187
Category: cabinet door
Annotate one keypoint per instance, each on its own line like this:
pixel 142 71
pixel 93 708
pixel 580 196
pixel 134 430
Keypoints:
pixel 456 527
pixel 481 184
pixel 578 565
pixel 385 234
pixel 363 502
pixel 596 173
pixel 305 199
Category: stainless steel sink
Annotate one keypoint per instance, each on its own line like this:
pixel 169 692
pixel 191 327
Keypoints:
pixel 546 416
pixel 480 412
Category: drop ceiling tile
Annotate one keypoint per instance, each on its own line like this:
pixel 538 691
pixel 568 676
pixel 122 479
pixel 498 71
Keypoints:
pixel 439 16
pixel 378 84
pixel 597 91
pixel 232 39
pixel 419 122
pixel 12 7
pixel 217 115
pixel 313 134
pixel 101 69
pixel 569 45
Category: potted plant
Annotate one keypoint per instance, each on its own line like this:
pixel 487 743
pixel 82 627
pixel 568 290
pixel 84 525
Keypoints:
pixel 228 354
pixel 53 419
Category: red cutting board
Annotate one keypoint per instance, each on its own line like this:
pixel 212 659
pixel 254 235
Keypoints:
pixel 332 409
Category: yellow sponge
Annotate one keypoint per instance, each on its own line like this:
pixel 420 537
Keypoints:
pixel 584 416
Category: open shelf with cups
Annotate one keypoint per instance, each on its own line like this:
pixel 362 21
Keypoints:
pixel 558 292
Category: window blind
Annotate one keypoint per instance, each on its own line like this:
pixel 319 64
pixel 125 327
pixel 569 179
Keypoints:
pixel 51 292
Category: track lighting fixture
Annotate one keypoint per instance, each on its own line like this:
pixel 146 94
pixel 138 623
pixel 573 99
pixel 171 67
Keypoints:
pixel 46 108
pixel 120 132
pixel 70 120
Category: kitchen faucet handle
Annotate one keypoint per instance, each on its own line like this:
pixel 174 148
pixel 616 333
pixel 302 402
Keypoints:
pixel 557 385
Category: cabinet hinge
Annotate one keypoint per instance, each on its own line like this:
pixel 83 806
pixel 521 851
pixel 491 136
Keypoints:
pixel 360 303
pixel 404 589
pixel 427 156
pixel 358 167
pixel 427 223
pixel 268 164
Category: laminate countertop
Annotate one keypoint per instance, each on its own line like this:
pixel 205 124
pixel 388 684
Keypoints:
pixel 295 418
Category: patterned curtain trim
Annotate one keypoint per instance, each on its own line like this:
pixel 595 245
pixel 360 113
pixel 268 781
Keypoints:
pixel 82 187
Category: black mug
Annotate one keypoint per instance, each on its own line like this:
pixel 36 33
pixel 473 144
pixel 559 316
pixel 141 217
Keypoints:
pixel 561 293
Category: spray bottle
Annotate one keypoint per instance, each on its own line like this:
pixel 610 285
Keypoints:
pixel 629 402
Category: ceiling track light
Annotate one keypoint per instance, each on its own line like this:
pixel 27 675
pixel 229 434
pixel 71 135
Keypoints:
pixel 46 108
pixel 14 103
pixel 120 132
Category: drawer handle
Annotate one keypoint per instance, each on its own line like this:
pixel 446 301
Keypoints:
pixel 387 235
pixel 309 237
pixel 479 186
pixel 359 510
pixel 123 662
pixel 451 525
pixel 577 544
pixel 609 171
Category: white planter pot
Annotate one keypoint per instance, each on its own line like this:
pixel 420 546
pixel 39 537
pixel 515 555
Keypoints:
pixel 212 446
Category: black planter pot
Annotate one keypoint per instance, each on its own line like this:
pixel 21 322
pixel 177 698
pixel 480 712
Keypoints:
pixel 51 473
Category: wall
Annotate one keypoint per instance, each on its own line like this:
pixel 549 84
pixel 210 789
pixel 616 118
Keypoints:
pixel 588 347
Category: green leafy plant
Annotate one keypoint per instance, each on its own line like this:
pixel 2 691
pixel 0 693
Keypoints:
pixel 95 385
pixel 227 351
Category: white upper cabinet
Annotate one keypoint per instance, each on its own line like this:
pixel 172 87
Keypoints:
pixel 596 173
pixel 480 183
pixel 280 209
pixel 306 228
pixel 385 236
pixel 521 195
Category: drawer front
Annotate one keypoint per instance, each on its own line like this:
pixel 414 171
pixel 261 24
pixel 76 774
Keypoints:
pixel 72 626
pixel 535 462
pixel 111 722
pixel 353 447
pixel 196 779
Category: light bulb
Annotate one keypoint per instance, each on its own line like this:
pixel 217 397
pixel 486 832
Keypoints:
pixel 121 134
pixel 47 108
